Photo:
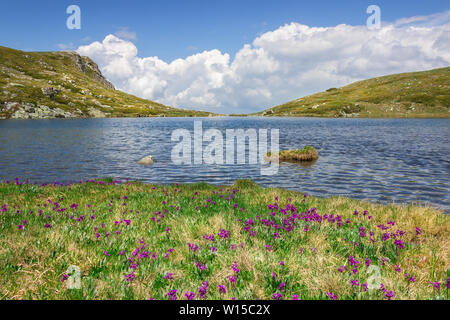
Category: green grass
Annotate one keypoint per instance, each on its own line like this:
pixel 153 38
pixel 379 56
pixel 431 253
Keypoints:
pixel 83 89
pixel 423 94
pixel 34 259
pixel 308 153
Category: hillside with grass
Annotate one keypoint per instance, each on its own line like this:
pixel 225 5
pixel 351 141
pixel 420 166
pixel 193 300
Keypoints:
pixel 137 241
pixel 37 85
pixel 408 95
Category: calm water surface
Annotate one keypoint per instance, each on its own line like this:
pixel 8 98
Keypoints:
pixel 385 160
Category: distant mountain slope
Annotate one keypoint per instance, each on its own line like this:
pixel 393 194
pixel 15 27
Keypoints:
pixel 413 95
pixel 63 84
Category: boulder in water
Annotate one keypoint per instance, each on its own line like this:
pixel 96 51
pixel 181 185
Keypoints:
pixel 146 161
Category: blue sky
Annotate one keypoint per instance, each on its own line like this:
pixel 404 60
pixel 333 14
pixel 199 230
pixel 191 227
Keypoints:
pixel 173 29
pixel 234 56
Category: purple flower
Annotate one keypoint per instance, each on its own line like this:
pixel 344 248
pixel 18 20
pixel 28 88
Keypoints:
pixel 332 296
pixel 277 296
pixel 64 278
pixel 389 295
pixel 235 268
pixel 295 297
pixel 193 247
pixel 232 279
pixel 354 282
pixel 203 289
pixel 224 233
pixel 168 276
pixel 399 243
pixel 130 277
pixel 418 231
pixel 222 289
pixel 20 226
pixel 172 294
pixel 342 269
pixel 209 237
pixel 189 295
pixel 436 285
pixel 201 267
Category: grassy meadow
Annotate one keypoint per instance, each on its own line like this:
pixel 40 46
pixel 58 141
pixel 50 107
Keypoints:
pixel 139 241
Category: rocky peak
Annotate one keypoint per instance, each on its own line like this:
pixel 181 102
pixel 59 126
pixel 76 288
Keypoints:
pixel 86 65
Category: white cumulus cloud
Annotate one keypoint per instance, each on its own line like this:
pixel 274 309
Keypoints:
pixel 278 66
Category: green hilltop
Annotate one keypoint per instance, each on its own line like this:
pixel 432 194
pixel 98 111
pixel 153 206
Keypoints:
pixel 36 85
pixel 423 94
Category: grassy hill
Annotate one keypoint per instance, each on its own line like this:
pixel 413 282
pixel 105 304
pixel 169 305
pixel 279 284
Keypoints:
pixel 411 95
pixel 65 85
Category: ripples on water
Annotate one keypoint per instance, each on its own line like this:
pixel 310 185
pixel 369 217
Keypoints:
pixel 387 160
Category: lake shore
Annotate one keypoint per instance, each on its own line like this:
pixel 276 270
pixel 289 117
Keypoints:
pixel 139 241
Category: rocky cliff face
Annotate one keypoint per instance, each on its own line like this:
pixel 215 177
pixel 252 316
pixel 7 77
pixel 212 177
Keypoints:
pixel 86 65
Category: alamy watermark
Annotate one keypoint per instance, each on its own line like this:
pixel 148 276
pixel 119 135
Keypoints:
pixel 74 277
pixel 190 150
pixel 374 20
pixel 74 20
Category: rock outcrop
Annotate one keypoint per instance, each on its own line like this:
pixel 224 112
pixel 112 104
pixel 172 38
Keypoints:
pixel 50 92
pixel 86 65
pixel 32 111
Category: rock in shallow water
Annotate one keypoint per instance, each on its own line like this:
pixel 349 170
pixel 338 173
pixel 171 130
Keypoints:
pixel 146 161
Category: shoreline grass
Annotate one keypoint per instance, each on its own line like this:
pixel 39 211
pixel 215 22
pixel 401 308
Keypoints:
pixel 139 241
